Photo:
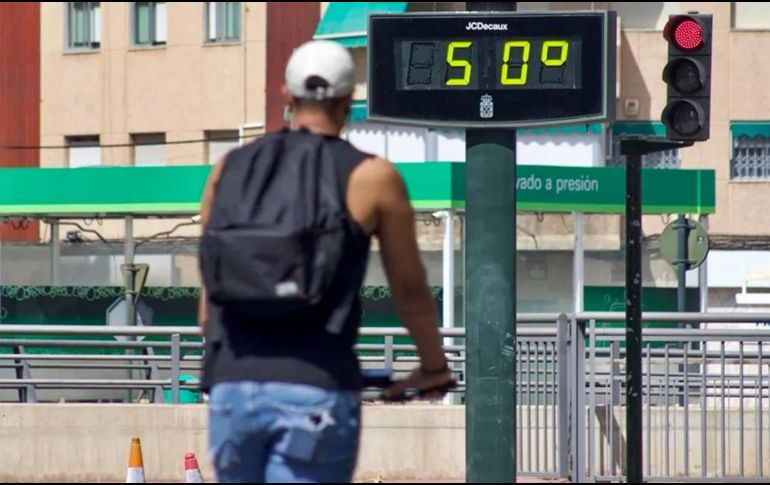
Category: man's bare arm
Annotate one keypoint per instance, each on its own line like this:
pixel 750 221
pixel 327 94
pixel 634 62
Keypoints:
pixel 378 199
pixel 406 274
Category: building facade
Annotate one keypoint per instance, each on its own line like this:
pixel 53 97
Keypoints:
pixel 147 84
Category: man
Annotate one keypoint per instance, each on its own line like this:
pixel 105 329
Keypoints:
pixel 285 405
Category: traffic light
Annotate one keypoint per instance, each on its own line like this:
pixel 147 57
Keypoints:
pixel 688 76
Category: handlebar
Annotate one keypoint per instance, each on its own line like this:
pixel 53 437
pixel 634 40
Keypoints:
pixel 381 379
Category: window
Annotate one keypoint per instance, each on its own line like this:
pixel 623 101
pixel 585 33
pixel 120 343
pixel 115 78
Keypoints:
pixel 219 143
pixel 644 15
pixel 84 25
pixel 149 23
pixel 751 15
pixel 84 151
pixel 149 149
pixel 223 21
pixel 665 159
pixel 751 156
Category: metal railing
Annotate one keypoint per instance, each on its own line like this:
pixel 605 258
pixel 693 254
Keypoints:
pixel 145 356
pixel 706 391
pixel 706 398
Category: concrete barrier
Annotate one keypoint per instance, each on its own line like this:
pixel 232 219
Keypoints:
pixel 88 443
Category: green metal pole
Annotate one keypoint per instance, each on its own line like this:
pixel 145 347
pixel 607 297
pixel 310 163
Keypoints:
pixel 682 230
pixel 491 306
pixel 490 208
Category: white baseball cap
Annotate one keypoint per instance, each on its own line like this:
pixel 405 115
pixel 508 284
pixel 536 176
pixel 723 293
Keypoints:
pixel 320 69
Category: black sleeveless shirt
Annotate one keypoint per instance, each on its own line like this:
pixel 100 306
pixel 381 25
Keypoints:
pixel 239 349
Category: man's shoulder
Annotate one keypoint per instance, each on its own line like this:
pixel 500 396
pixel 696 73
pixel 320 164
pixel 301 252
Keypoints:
pixel 377 180
pixel 376 169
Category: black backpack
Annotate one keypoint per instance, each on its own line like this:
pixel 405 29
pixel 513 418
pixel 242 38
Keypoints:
pixel 278 226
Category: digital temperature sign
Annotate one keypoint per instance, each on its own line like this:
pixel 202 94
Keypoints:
pixel 492 69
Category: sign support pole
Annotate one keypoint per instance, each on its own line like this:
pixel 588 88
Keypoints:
pixel 490 209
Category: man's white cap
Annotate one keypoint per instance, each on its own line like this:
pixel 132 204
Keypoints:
pixel 322 60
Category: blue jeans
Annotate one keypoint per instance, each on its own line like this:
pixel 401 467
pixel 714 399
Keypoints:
pixel 274 432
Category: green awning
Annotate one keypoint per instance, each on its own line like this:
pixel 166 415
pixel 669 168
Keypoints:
pixel 434 185
pixel 750 129
pixel 602 190
pixel 346 22
pixel 358 111
pixel 641 128
pixel 175 191
pixel 594 128
pixel 102 191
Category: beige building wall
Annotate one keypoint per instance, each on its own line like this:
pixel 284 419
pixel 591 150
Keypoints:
pixel 181 89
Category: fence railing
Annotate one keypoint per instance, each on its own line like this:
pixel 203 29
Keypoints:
pixel 706 390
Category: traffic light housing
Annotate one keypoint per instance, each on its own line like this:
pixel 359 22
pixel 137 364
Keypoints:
pixel 687 74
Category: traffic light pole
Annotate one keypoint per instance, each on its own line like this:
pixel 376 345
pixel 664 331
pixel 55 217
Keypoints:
pixel 633 148
pixel 634 401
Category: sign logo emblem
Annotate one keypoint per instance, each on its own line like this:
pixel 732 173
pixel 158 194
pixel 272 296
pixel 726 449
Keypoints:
pixel 486 107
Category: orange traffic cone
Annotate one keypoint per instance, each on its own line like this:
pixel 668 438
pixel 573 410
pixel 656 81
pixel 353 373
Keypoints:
pixel 191 470
pixel 135 472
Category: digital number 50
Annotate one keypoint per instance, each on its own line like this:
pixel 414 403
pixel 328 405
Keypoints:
pixel 523 48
